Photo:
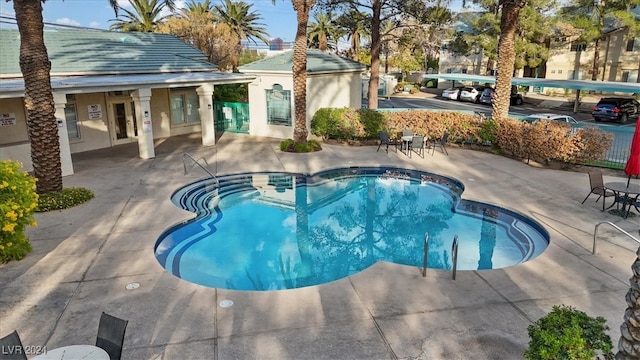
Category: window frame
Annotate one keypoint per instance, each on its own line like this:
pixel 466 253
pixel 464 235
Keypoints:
pixel 71 103
pixel 287 120
pixel 187 119
pixel 577 46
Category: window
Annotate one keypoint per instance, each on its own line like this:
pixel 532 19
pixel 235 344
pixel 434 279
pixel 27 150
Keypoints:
pixel 633 44
pixel 578 46
pixel 185 108
pixel 71 116
pixel 574 75
pixel 278 106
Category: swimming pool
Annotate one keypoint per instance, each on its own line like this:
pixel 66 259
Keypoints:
pixel 271 231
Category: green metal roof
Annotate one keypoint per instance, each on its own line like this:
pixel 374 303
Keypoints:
pixel 317 61
pixel 100 52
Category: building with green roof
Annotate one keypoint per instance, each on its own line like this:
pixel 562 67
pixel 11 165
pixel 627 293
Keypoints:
pixel 332 81
pixel 112 88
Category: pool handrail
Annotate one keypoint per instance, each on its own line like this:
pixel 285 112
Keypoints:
pixel 454 254
pixel 424 254
pixel 197 162
pixel 595 234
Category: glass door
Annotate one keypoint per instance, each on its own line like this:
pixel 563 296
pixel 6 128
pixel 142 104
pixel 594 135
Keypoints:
pixel 122 124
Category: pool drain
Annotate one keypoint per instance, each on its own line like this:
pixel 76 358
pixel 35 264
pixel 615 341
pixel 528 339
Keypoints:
pixel 226 303
pixel 132 286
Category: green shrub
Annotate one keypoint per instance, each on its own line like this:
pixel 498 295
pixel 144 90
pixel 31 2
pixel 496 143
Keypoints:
pixel 68 197
pixel 487 132
pixel 291 146
pixel 567 333
pixel 18 201
pixel 373 122
pixel 325 122
pixel 285 145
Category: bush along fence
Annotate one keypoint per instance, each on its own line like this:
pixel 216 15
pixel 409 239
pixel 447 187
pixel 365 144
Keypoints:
pixel 542 141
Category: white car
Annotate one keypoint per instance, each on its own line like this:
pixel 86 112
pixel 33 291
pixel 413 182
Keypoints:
pixel 554 117
pixel 452 93
pixel 471 93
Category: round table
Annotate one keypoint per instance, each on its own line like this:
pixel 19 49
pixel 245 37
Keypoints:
pixel 624 194
pixel 406 139
pixel 74 352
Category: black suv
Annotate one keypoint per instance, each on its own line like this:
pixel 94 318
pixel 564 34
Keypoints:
pixel 615 109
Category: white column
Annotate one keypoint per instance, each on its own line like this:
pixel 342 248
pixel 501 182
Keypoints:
pixel 142 98
pixel 205 93
pixel 60 100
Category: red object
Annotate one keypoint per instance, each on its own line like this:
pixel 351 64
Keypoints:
pixel 633 164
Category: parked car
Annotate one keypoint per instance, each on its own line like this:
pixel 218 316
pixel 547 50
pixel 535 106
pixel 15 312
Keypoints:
pixel 489 93
pixel 554 117
pixel 615 109
pixel 452 93
pixel 472 93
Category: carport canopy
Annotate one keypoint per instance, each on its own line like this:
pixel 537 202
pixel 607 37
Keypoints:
pixel 606 86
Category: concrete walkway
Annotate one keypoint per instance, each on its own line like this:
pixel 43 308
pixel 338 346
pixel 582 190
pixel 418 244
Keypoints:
pixel 84 258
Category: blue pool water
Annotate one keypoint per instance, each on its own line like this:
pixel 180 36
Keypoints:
pixel 270 231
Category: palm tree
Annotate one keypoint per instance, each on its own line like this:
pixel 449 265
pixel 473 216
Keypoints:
pixel 354 24
pixel 242 21
pixel 35 66
pixel 145 17
pixel 506 56
pixel 302 8
pixel 320 31
pixel 199 8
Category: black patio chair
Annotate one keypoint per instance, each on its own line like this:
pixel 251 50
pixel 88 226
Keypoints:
pixel 11 347
pixel 385 140
pixel 597 187
pixel 417 145
pixel 441 144
pixel 111 335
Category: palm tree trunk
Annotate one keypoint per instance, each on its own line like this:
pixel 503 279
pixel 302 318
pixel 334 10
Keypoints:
pixel 302 8
pixel 38 97
pixel 506 56
pixel 629 344
pixel 375 55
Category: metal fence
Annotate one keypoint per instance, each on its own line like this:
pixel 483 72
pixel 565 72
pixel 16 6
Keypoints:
pixel 618 154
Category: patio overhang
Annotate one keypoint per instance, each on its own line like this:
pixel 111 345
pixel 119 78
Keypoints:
pixel 13 88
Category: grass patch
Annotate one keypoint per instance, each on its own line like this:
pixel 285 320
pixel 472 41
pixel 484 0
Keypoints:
pixel 68 197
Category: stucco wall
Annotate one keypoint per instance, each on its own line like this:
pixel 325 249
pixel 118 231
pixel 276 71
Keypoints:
pixel 13 133
pixel 94 134
pixel 258 105
pixel 323 90
pixel 14 141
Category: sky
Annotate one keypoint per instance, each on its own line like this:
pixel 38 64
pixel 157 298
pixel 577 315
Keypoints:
pixel 278 19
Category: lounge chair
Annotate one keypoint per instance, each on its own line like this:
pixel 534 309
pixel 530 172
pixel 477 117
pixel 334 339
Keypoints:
pixel 385 140
pixel 441 144
pixel 597 187
pixel 417 145
pixel 111 335
pixel 11 347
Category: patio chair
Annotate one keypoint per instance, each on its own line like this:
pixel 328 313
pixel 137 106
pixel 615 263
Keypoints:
pixel 441 144
pixel 417 145
pixel 385 140
pixel 407 132
pixel 11 347
pixel 597 187
pixel 111 335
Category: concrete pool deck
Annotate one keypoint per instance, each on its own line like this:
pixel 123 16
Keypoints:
pixel 84 257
